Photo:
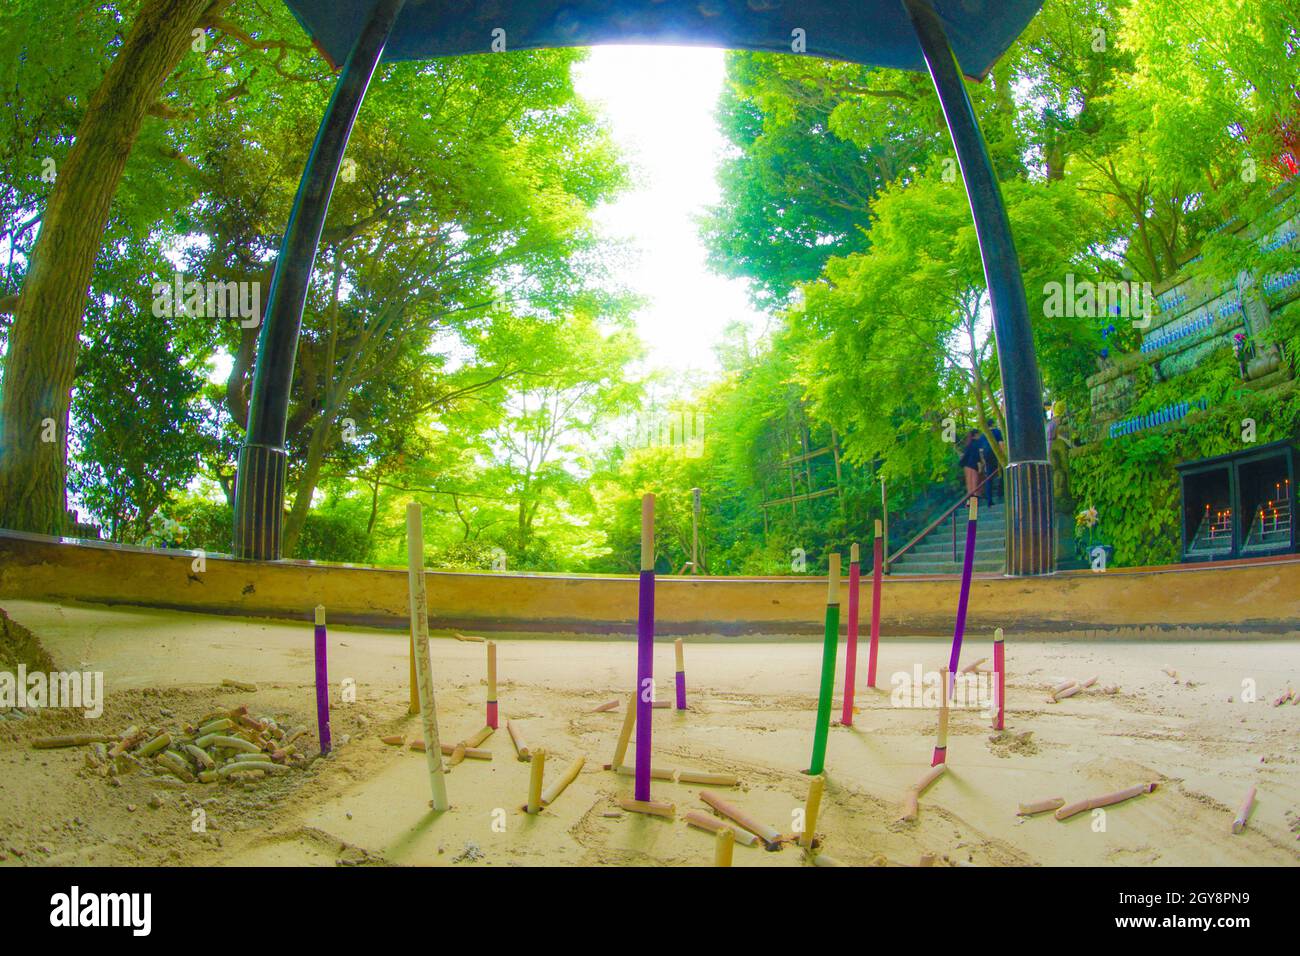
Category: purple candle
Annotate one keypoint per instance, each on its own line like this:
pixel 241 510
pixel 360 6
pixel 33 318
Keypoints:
pixel 645 650
pixel 681 674
pixel 322 683
pixel 968 565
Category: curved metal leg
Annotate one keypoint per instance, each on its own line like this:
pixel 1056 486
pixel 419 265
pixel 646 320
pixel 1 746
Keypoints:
pixel 259 482
pixel 1028 489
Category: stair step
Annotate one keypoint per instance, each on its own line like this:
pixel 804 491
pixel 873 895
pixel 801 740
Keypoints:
pixel 948 568
pixel 982 541
pixel 933 554
pixel 945 555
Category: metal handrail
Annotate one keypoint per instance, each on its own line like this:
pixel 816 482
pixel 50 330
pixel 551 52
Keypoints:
pixel 939 520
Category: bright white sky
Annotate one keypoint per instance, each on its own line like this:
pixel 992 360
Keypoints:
pixel 659 102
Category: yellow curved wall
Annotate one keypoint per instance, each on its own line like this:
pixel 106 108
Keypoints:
pixel 1238 599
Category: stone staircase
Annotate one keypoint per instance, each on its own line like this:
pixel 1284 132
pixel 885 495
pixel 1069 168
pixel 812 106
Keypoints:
pixel 933 554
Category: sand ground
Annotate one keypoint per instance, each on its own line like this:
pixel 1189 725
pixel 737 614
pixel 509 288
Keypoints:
pixel 751 712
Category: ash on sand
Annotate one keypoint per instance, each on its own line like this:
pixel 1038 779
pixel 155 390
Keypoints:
pixel 367 804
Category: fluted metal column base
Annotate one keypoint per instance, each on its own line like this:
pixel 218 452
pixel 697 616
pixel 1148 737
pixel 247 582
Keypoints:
pixel 1030 533
pixel 259 507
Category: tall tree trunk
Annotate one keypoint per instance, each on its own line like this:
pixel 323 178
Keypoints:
pixel 39 367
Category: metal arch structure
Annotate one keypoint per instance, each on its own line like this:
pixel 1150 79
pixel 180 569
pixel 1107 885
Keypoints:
pixel 946 38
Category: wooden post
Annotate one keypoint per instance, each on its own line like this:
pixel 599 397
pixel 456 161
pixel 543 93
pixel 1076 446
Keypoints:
pixel 878 557
pixel 941 741
pixel 851 643
pixel 811 807
pixel 415 681
pixel 830 645
pixel 420 645
pixel 681 674
pixel 645 661
pixel 535 772
pixel 492 684
pixel 322 682
pixel 1000 679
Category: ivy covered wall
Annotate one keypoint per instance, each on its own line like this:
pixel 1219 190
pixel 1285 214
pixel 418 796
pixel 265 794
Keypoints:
pixel 1131 480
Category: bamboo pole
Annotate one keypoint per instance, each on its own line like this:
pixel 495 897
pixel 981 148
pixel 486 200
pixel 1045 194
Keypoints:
pixel 941 740
pixel 1040 806
pixel 521 749
pixel 683 776
pixel 878 559
pixel 492 684
pixel 535 774
pixel 707 778
pixel 811 807
pixel 656 773
pixel 460 750
pixel 625 732
pixel 657 808
pixel 1000 679
pixel 770 836
pixel 566 778
pixel 415 680
pixel 1243 814
pixel 830 645
pixel 1106 800
pixel 723 843
pixel 420 644
pixel 911 802
pixel 851 643
pixel 704 821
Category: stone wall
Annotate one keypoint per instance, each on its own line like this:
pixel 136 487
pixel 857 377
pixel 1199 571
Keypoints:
pixel 1197 313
